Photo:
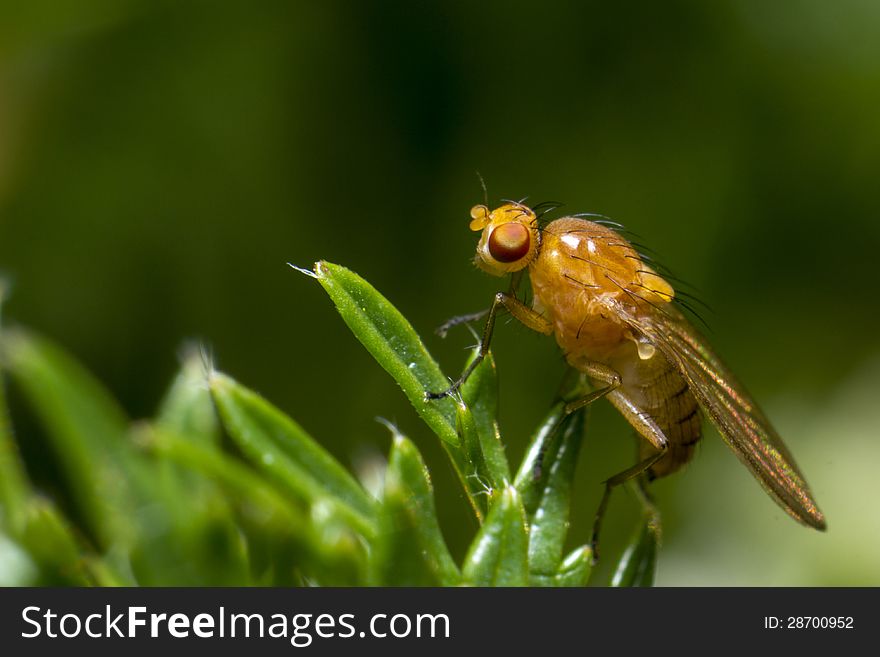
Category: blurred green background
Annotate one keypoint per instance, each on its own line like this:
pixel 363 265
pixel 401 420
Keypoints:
pixel 161 161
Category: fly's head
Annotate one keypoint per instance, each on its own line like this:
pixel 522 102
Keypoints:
pixel 510 237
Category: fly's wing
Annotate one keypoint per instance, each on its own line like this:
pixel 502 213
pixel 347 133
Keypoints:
pixel 739 420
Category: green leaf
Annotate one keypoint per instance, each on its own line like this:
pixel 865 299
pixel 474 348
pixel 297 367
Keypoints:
pixel 480 393
pixel 499 554
pixel 187 408
pixel 477 479
pixel 140 513
pixel 410 550
pixel 51 544
pixel 17 568
pixel 62 558
pixel 637 565
pixel 87 430
pixel 526 481
pixel 317 542
pixel 277 445
pixel 188 412
pixel 35 521
pixel 575 569
pixel 547 499
pixel 393 343
pixel 222 468
pixel 15 488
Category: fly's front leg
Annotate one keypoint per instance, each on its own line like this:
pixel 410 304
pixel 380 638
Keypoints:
pixel 443 329
pixel 520 311
pixel 452 322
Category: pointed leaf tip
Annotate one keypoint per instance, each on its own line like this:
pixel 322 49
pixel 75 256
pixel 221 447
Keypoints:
pixel 638 563
pixel 499 554
pixel 409 549
pixel 303 270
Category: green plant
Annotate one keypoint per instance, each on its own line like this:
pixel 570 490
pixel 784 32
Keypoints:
pixel 171 502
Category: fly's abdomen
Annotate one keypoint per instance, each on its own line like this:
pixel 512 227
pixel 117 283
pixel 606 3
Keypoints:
pixel 661 392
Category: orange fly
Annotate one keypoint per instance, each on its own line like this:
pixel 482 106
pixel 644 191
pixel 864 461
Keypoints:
pixel 614 318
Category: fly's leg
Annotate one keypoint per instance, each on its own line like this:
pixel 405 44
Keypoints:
pixel 621 477
pixel 452 322
pixel 572 380
pixel 648 429
pixel 597 372
pixel 647 500
pixel 520 311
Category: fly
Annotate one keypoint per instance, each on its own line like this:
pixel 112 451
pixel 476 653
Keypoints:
pixel 614 319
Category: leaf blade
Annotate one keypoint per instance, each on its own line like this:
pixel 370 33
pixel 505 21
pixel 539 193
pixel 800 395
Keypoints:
pixel 547 500
pixel 575 569
pixel 395 345
pixel 311 539
pixel 393 342
pixel 498 555
pixel 187 408
pixel 410 548
pixel 280 447
pixel 87 430
pixel 637 566
pixel 480 393
pixel 138 511
pixel 475 475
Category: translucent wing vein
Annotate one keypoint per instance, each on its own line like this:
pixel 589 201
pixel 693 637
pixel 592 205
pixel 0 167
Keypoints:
pixel 736 415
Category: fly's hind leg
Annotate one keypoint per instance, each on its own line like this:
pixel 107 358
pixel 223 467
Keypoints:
pixel 640 421
pixel 648 504
pixel 634 472
pixel 648 429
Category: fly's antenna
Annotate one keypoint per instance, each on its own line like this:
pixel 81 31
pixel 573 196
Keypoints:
pixel 485 191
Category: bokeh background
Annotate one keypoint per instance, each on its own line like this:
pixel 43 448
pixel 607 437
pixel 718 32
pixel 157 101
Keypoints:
pixel 161 161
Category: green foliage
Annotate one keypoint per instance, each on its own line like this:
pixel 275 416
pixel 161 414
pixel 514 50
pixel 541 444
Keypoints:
pixel 636 567
pixel 223 488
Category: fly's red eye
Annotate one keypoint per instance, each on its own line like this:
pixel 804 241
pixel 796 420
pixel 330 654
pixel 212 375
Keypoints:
pixel 509 242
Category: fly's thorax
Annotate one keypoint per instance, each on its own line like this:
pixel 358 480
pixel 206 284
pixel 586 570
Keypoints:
pixel 596 257
pixel 510 239
pixel 584 271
